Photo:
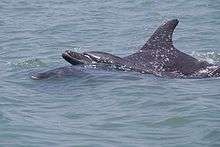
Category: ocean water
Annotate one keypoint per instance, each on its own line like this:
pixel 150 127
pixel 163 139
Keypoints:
pixel 106 108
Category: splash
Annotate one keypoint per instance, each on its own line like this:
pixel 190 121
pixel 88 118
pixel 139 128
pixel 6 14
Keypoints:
pixel 211 57
pixel 28 63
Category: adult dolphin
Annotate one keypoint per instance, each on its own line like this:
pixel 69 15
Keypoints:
pixel 158 56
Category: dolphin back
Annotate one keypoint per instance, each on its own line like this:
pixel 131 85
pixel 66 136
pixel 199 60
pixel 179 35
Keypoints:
pixel 160 54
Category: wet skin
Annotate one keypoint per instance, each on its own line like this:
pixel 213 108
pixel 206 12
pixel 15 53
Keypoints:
pixel 158 56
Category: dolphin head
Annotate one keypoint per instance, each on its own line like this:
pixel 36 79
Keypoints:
pixel 75 58
pixel 91 57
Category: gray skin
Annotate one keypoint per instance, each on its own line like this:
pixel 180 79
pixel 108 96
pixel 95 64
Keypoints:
pixel 158 56
pixel 59 72
pixel 96 57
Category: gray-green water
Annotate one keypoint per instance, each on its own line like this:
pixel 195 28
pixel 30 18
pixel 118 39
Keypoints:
pixel 105 108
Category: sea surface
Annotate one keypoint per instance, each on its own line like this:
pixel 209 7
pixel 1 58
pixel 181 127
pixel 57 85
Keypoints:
pixel 106 108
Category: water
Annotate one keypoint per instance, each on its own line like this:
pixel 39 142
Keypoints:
pixel 105 108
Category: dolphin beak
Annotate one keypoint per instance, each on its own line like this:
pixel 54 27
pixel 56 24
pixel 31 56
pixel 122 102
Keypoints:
pixel 72 57
pixel 75 58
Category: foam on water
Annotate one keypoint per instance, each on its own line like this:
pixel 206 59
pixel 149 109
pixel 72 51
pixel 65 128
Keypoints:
pixel 28 63
pixel 211 57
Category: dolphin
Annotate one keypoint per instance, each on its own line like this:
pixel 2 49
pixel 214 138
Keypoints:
pixel 97 57
pixel 158 56
pixel 59 72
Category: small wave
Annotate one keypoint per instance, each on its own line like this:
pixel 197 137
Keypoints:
pixel 174 121
pixel 2 23
pixel 213 135
pixel 28 63
pixel 3 118
pixel 211 57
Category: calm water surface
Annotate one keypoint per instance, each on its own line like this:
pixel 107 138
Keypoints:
pixel 105 109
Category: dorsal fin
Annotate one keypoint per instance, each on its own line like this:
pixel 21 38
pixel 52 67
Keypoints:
pixel 162 37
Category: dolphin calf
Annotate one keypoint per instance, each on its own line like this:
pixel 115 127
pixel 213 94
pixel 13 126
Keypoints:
pixel 158 56
pixel 59 72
